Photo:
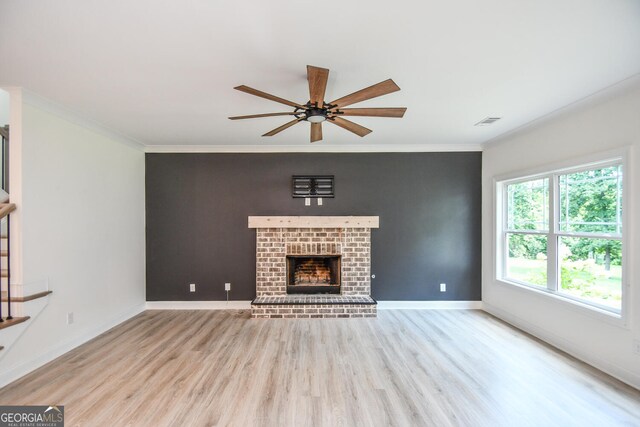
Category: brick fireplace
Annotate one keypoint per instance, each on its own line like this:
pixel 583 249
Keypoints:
pixel 334 272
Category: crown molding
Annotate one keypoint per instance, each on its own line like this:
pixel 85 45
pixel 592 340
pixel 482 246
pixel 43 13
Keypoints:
pixel 78 119
pixel 603 95
pixel 315 148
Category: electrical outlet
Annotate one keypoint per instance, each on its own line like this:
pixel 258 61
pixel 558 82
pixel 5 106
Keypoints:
pixel 443 287
pixel 636 346
pixel 319 201
pixel 192 287
pixel 69 318
pixel 307 201
pixel 227 286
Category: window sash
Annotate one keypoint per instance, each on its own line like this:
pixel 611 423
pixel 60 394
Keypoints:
pixel 585 300
pixel 566 222
pixel 505 244
pixel 541 226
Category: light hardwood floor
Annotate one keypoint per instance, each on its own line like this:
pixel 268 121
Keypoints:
pixel 405 368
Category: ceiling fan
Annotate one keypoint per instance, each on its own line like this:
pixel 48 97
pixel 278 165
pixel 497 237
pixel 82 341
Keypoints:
pixel 316 110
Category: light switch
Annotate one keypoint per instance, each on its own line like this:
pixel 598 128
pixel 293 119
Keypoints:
pixel 319 201
pixel 307 201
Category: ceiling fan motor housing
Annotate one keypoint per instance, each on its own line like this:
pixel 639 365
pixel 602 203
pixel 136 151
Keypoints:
pixel 316 115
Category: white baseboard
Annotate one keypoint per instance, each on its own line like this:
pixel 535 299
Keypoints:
pixel 241 305
pixel 565 345
pixel 23 368
pixel 430 305
pixel 198 305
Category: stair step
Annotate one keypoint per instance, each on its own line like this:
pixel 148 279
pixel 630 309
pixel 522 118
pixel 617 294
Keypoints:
pixel 26 297
pixel 6 209
pixel 13 322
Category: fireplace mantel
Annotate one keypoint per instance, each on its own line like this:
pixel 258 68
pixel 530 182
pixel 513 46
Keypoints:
pixel 314 222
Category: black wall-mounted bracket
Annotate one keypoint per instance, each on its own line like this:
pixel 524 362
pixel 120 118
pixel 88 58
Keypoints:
pixel 315 186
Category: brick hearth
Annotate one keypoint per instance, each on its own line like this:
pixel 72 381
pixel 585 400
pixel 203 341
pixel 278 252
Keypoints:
pixel 294 311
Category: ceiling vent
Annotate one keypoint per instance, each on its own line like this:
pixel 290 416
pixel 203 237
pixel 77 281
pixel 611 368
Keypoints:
pixel 488 121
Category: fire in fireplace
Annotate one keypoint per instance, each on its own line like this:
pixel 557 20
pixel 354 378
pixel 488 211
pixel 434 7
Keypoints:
pixel 313 274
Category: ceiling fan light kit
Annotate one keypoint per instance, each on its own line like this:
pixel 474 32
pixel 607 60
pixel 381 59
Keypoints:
pixel 316 110
pixel 316 115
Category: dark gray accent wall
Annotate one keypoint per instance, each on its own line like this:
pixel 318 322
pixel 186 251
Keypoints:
pixel 428 203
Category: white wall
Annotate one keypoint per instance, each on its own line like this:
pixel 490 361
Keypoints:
pixel 605 122
pixel 81 216
pixel 4 107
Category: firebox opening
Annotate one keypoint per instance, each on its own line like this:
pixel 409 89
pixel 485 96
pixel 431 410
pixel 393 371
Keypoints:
pixel 313 274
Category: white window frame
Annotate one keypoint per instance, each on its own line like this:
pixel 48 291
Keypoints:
pixel 618 157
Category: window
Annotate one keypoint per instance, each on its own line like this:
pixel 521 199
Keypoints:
pixel 561 232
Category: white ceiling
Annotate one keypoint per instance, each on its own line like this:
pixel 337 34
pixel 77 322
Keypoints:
pixel 163 72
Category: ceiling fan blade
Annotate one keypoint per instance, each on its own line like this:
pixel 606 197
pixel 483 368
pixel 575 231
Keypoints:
pixel 350 126
pixel 255 116
pixel 316 132
pixel 372 112
pixel 382 88
pixel 283 127
pixel 317 84
pixel 265 95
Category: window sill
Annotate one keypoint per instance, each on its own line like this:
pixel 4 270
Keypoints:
pixel 615 319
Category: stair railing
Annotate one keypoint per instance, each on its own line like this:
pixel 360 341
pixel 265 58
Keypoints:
pixel 5 211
